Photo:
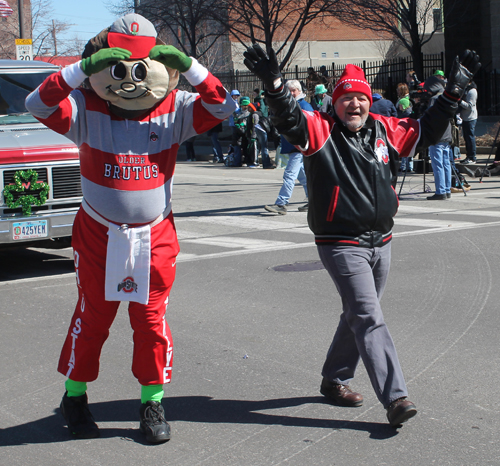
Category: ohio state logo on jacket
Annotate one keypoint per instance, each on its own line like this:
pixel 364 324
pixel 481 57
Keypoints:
pixel 381 151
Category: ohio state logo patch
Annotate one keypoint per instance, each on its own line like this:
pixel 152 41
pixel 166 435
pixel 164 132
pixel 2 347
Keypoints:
pixel 153 136
pixel 347 86
pixel 134 28
pixel 381 151
pixel 128 285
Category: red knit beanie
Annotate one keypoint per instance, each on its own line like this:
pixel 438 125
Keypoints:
pixel 352 80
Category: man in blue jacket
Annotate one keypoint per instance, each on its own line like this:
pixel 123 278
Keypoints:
pixel 295 167
pixel 382 106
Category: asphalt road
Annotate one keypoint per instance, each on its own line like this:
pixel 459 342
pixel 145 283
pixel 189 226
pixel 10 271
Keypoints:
pixel 252 314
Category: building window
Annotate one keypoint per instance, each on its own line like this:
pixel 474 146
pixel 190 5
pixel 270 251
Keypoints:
pixel 323 54
pixel 438 19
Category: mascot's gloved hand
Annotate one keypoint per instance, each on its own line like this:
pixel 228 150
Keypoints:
pixel 266 68
pixel 171 57
pixel 461 74
pixel 103 59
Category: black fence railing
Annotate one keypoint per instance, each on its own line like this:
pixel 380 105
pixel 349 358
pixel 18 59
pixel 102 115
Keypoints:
pixel 383 76
pixel 488 92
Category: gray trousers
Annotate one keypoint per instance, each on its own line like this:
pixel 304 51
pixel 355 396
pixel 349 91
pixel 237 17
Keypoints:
pixel 360 275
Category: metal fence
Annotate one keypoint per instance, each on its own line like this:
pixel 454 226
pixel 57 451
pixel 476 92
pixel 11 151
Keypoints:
pixel 488 92
pixel 383 75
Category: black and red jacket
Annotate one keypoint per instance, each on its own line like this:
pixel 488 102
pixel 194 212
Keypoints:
pixel 351 176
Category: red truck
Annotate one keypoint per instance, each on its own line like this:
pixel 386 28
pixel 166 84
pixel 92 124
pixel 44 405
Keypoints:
pixel 40 187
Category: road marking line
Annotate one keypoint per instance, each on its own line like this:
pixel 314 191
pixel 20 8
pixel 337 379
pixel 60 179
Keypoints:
pixel 281 247
pixel 429 223
pixel 237 242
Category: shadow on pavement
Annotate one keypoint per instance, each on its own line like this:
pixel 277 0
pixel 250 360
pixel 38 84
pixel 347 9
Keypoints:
pixel 18 263
pixel 201 409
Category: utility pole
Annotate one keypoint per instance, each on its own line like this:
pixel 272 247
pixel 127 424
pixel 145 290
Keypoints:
pixel 54 36
pixel 21 19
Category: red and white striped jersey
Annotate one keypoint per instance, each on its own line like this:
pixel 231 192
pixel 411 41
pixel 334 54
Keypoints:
pixel 127 165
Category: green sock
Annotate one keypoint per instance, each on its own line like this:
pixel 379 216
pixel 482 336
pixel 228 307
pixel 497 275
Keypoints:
pixel 151 393
pixel 75 388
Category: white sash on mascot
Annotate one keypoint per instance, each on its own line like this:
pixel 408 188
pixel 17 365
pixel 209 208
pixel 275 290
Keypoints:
pixel 128 263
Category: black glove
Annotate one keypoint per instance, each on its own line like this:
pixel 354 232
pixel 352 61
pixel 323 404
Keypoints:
pixel 461 74
pixel 264 67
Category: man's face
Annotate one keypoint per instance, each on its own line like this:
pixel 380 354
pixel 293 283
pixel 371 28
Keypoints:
pixel 295 92
pixel 352 109
pixel 244 107
pixel 321 96
pixel 235 97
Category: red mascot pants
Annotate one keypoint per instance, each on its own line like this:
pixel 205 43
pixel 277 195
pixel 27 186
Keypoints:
pixel 89 328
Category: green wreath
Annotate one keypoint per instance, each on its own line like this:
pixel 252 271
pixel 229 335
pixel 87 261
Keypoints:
pixel 34 194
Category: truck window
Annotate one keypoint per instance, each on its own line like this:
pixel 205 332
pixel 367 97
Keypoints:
pixel 13 91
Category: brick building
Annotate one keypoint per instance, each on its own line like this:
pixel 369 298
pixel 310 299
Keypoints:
pixel 9 27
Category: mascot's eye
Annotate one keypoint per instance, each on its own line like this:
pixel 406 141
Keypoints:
pixel 139 72
pixel 119 71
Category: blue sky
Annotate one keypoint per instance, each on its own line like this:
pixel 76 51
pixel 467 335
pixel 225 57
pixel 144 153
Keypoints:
pixel 88 16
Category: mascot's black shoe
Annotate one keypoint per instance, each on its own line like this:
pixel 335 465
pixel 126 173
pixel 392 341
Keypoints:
pixel 75 410
pixel 153 424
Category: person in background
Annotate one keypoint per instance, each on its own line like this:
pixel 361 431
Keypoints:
pixel 312 80
pixel 440 153
pixel 327 80
pixel 404 110
pixel 258 99
pixel 403 105
pixel 321 101
pixel 235 95
pixel 239 140
pixel 214 137
pixel 189 146
pixel 294 169
pixel 440 75
pixel 468 113
pixel 382 106
pixel 412 80
pixel 257 135
pixel 263 105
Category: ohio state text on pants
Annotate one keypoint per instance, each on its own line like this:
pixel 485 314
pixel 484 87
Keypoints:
pixel 89 328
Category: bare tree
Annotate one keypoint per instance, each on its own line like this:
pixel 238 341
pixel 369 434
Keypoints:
pixel 187 24
pixel 411 22
pixel 272 22
pixel 46 31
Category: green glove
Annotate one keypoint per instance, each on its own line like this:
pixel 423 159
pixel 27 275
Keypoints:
pixel 103 59
pixel 169 56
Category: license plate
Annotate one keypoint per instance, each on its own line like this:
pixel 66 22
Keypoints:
pixel 30 230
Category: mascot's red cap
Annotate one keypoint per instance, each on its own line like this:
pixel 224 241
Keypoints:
pixel 133 32
pixel 352 80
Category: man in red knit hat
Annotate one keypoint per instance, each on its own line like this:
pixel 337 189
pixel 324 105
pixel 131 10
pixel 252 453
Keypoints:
pixel 351 164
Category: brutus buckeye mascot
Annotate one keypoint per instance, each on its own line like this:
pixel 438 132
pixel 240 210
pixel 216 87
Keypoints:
pixel 128 123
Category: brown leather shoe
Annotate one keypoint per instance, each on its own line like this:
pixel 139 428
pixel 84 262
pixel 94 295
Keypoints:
pixel 340 394
pixel 400 411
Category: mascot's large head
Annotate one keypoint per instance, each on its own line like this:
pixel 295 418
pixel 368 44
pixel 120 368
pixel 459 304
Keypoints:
pixel 135 85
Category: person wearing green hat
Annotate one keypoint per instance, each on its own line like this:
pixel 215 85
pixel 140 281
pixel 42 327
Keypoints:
pixel 239 140
pixel 439 73
pixel 321 101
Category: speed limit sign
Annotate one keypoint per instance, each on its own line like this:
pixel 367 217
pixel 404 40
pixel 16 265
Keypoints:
pixel 24 49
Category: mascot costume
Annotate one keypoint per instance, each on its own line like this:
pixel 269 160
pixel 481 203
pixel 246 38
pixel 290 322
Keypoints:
pixel 119 106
